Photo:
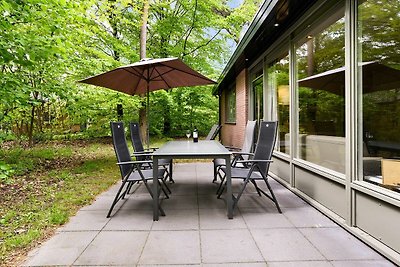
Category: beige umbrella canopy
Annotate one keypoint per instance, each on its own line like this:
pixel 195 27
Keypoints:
pixel 149 75
pixel 375 77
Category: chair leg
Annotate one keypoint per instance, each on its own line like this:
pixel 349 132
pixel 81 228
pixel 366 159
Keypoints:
pixel 256 186
pixel 221 189
pixel 273 198
pixel 163 189
pixel 221 185
pixel 166 186
pixel 171 165
pixel 215 174
pixel 118 196
pixel 162 213
pixel 236 200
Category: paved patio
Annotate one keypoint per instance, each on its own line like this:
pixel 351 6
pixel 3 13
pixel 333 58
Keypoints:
pixel 196 231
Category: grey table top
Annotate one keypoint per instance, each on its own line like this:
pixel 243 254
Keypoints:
pixel 190 149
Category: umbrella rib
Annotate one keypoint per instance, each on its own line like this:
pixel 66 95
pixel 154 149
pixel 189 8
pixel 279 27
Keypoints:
pixel 141 75
pixel 198 75
pixel 161 76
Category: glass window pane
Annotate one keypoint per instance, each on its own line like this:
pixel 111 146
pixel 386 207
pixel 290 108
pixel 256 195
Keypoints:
pixel 278 83
pixel 321 98
pixel 231 105
pixel 258 95
pixel 379 83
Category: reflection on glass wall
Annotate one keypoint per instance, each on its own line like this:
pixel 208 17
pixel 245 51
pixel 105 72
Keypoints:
pixel 278 83
pixel 379 75
pixel 257 86
pixel 321 103
pixel 231 105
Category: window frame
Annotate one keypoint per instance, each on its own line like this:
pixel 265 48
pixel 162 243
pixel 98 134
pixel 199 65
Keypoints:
pixel 230 99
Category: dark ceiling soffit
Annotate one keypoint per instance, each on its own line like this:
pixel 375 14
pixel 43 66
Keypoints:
pixel 265 9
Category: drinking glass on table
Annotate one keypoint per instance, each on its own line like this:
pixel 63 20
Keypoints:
pixel 188 134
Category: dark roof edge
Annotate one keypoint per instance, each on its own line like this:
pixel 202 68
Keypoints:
pixel 257 21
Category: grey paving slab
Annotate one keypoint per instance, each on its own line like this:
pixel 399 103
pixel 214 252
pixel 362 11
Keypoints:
pixel 258 218
pixel 205 187
pixel 87 220
pixel 285 245
pixel 62 249
pixel 256 201
pixel 363 263
pixel 244 264
pixel 181 202
pixel 289 200
pixel 308 217
pixel 168 265
pixel 300 264
pixel 229 246
pixel 337 244
pixel 137 202
pixel 216 219
pixel 128 220
pixel 183 188
pixel 211 202
pixel 102 203
pixel 179 219
pixel 196 231
pixel 114 248
pixel 172 247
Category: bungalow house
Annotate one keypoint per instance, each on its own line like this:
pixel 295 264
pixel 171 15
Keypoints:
pixel 329 72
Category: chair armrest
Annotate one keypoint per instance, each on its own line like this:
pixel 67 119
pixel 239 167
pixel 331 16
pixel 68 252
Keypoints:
pixel 142 153
pixel 242 153
pixel 255 161
pixel 134 162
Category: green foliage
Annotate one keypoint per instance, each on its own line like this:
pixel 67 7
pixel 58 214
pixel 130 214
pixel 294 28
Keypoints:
pixel 39 200
pixel 6 173
pixel 46 46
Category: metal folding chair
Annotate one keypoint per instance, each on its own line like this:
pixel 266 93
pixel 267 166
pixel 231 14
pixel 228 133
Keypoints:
pixel 132 172
pixel 238 153
pixel 142 154
pixel 213 132
pixel 258 166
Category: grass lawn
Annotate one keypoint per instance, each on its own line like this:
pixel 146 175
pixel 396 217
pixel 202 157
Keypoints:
pixel 49 184
pixel 43 186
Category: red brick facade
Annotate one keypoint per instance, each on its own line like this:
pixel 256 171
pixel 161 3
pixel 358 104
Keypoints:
pixel 233 134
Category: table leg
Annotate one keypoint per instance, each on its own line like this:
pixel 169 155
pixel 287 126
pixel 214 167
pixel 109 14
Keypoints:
pixel 229 199
pixel 155 189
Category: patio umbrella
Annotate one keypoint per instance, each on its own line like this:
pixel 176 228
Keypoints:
pixel 149 75
pixel 375 77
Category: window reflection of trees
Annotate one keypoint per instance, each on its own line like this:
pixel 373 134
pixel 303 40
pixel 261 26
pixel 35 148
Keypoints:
pixel 278 84
pixel 322 112
pixel 379 41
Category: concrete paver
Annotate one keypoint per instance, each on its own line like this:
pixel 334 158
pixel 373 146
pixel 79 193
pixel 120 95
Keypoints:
pixel 196 231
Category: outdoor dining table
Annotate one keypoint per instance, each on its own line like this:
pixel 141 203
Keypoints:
pixel 192 150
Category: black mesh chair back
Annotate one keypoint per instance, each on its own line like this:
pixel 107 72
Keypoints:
pixel 120 146
pixel 265 144
pixel 136 139
pixel 213 132
pixel 258 169
pixel 131 171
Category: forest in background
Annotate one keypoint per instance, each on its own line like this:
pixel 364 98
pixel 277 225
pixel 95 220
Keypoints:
pixel 47 46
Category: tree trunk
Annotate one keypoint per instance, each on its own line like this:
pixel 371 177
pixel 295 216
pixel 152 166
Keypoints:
pixel 143 29
pixel 30 129
pixel 143 120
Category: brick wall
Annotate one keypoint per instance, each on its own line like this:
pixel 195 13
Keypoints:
pixel 233 134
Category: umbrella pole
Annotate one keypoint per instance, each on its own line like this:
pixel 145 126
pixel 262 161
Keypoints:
pixel 148 118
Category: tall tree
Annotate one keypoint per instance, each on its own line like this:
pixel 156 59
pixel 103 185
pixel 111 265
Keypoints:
pixel 143 119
